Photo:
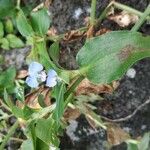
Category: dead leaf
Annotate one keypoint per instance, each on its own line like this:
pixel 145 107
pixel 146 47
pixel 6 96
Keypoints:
pixel 52 31
pixel 47 3
pixel 102 31
pixel 86 87
pixel 124 18
pixel 90 32
pixel 32 98
pixel 115 84
pixel 71 114
pixel 73 35
pixel 91 122
pixel 116 135
pixel 22 74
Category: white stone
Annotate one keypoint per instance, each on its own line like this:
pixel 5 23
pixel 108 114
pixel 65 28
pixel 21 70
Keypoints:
pixel 77 13
pixel 131 73
pixel 70 130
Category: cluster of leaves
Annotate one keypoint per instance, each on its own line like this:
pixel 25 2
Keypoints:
pixel 102 59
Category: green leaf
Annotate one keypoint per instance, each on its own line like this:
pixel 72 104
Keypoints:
pixel 27 112
pixel 59 90
pixel 40 145
pixel 27 145
pixel 40 21
pixel 4 44
pixel 19 90
pixel 14 41
pixel 54 52
pixel 132 146
pixel 6 8
pixel 7 78
pixel 1 29
pixel 145 142
pixel 23 25
pixel 15 110
pixel 9 26
pixel 44 57
pixel 107 57
pixel 49 134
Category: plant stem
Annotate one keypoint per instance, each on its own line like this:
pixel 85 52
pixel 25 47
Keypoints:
pixel 73 87
pixel 18 4
pixel 93 11
pixel 10 133
pixel 103 14
pixel 13 138
pixel 4 105
pixel 142 19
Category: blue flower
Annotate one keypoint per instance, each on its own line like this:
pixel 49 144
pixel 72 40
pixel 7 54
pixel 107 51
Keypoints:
pixel 36 75
pixel 51 78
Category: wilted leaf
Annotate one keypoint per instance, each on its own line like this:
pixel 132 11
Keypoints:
pixel 73 35
pixel 71 114
pixel 90 32
pixel 107 57
pixel 86 87
pixel 22 74
pixel 116 135
pixel 124 19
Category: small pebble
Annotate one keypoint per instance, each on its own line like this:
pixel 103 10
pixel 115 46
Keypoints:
pixel 131 73
pixel 143 127
pixel 70 130
pixel 77 13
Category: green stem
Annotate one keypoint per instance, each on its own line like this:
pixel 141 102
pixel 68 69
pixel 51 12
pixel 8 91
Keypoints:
pixel 93 11
pixel 104 13
pixel 18 4
pixel 142 19
pixel 73 87
pixel 10 133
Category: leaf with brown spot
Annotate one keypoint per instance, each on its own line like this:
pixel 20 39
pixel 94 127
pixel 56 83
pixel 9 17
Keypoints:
pixel 116 135
pixel 106 58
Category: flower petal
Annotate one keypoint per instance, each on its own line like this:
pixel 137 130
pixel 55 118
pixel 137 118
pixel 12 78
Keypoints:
pixel 52 73
pixel 42 76
pixel 32 82
pixel 34 68
pixel 51 82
